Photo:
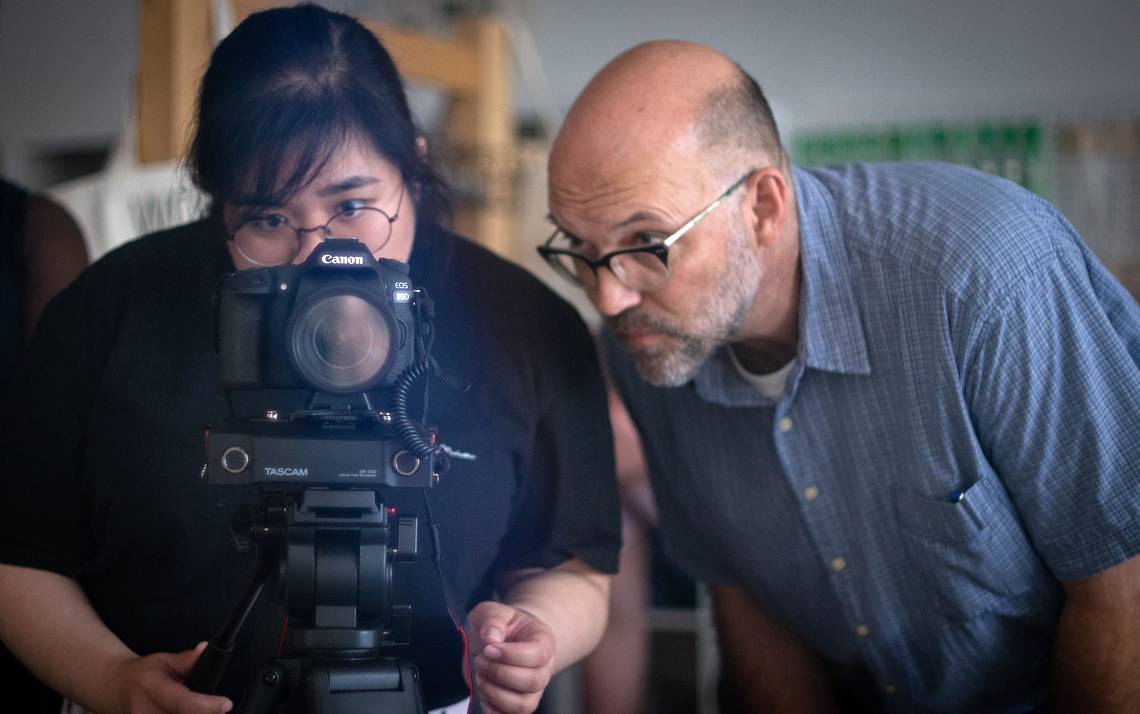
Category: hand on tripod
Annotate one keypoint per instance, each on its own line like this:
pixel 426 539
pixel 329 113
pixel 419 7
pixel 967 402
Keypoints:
pixel 515 658
pixel 154 684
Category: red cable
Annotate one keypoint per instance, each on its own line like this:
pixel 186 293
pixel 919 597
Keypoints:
pixel 281 638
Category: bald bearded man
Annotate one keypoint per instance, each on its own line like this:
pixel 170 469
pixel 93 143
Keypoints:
pixel 891 412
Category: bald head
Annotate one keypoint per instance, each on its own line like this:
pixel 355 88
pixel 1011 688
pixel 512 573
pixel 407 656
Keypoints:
pixel 663 99
pixel 663 130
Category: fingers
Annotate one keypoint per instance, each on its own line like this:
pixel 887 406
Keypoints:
pixel 513 675
pixel 161 683
pixel 182 662
pixel 525 680
pixel 172 696
pixel 525 653
pixel 515 659
pixel 490 621
pixel 499 700
pixel 194 703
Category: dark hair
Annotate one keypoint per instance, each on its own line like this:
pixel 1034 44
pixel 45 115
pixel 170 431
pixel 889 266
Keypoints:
pixel 737 116
pixel 284 91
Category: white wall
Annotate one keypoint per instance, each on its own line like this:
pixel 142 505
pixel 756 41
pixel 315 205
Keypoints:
pixel 65 69
pixel 65 65
pixel 864 61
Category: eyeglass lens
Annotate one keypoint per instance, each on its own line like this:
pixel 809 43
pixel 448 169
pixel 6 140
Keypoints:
pixel 273 241
pixel 636 270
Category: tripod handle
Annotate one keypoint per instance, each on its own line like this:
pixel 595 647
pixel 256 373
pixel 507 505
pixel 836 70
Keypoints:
pixel 209 668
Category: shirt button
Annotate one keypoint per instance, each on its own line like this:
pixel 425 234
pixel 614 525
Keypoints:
pixel 838 564
pixel 862 630
pixel 785 425
pixel 811 493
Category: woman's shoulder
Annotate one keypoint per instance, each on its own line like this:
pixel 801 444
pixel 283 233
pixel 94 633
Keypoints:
pixel 478 273
pixel 166 268
pixel 178 245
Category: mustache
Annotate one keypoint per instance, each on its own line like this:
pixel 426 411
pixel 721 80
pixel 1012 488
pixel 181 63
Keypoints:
pixel 628 322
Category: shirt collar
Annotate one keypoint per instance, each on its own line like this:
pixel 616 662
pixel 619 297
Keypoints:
pixel 831 327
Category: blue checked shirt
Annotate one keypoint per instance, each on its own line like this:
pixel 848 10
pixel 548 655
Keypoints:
pixel 959 434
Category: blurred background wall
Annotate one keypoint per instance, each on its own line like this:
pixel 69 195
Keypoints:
pixel 65 65
pixel 868 79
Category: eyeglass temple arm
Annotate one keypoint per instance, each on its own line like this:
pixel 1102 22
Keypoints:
pixel 676 235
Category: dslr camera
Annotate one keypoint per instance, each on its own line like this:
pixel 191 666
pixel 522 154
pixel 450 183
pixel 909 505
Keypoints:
pixel 348 332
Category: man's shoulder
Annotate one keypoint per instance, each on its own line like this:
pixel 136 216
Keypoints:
pixel 927 222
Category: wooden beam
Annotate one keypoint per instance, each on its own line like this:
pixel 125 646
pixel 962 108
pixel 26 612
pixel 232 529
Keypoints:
pixel 441 62
pixel 481 126
pixel 174 48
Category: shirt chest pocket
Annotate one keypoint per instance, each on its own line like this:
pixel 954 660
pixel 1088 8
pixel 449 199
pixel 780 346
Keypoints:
pixel 969 553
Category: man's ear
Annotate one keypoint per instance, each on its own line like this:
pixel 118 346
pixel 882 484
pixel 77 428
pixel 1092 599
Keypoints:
pixel 767 204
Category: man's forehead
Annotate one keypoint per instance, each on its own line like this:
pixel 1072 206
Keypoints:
pixel 600 206
pixel 625 167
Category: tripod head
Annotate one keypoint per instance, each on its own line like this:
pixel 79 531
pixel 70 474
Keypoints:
pixel 339 551
pixel 333 551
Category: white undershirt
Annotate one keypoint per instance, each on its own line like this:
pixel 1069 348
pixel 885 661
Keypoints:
pixel 771 385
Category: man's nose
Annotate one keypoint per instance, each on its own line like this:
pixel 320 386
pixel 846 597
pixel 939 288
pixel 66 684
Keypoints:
pixel 611 296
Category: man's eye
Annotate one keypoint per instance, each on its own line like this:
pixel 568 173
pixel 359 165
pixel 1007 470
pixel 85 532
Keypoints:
pixel 647 238
pixel 565 241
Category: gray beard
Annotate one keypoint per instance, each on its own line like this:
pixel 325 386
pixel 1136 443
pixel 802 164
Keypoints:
pixel 685 352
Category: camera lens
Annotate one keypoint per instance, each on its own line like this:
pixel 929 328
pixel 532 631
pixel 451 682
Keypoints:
pixel 340 342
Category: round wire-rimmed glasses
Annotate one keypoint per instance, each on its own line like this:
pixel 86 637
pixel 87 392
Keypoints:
pixel 271 240
pixel 644 267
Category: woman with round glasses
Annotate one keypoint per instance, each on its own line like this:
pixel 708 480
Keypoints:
pixel 116 555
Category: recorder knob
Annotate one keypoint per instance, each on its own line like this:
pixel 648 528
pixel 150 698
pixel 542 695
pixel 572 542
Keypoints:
pixel 235 459
pixel 405 463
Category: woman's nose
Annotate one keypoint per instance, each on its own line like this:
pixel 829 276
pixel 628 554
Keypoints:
pixel 309 239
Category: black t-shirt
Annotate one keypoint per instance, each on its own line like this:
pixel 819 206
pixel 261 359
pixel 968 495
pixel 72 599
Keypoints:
pixel 13 209
pixel 104 448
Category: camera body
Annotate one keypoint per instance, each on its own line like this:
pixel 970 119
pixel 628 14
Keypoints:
pixel 340 323
pixel 343 329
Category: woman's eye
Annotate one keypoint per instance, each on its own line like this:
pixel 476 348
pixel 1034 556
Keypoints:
pixel 350 209
pixel 267 223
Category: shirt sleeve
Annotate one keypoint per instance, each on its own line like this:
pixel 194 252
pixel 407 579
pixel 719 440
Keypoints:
pixel 44 423
pixel 684 530
pixel 1054 389
pixel 568 503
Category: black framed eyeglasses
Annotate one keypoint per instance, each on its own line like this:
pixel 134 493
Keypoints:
pixel 271 240
pixel 644 267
